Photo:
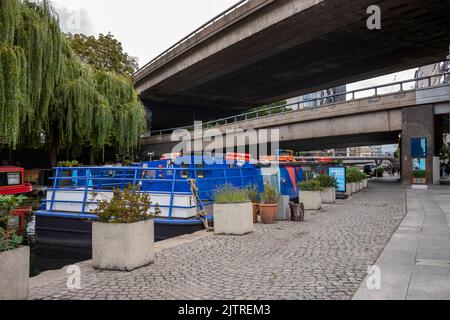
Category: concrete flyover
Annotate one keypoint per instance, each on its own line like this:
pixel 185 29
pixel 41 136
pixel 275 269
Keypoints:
pixel 375 120
pixel 265 50
pixel 361 122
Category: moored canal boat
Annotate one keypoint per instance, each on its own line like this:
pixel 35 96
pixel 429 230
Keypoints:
pixel 182 185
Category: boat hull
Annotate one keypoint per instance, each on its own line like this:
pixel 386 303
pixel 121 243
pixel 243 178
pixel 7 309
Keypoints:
pixel 70 230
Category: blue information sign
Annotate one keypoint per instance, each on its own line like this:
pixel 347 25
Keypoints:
pixel 340 174
pixel 419 147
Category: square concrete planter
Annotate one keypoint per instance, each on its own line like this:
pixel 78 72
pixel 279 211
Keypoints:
pixel 328 195
pixel 123 247
pixel 366 183
pixel 233 219
pixel 311 200
pixel 349 188
pixel 354 187
pixel 14 274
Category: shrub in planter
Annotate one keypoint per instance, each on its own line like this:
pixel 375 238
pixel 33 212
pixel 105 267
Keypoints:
pixel 269 204
pixel 419 176
pixel 123 238
pixel 253 195
pixel 354 177
pixel 14 259
pixel 379 172
pixel 69 164
pixel 310 194
pixel 233 211
pixel 328 184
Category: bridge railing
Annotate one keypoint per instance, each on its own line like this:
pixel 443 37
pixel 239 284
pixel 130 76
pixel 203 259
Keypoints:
pixel 221 15
pixel 353 95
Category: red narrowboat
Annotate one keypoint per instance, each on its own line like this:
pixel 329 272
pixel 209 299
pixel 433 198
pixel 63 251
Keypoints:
pixel 12 183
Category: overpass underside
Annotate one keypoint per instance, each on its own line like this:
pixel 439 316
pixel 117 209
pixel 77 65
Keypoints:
pixel 273 50
pixel 344 141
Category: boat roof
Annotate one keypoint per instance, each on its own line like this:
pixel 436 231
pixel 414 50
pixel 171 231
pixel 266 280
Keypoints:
pixel 10 168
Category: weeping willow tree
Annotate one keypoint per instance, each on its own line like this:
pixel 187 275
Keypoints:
pixel 49 98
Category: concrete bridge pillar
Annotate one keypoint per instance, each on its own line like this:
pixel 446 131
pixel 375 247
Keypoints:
pixel 418 122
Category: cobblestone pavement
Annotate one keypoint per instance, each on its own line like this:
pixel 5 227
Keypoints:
pixel 325 257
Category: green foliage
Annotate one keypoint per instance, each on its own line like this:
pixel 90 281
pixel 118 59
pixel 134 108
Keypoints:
pixel 311 185
pixel 270 195
pixel 127 206
pixel 253 194
pixel 68 164
pixel 379 171
pixel 276 107
pixel 444 154
pixel 326 181
pixel 419 174
pixel 104 53
pixel 9 240
pixel 355 175
pixel 49 97
pixel 230 194
pixel 10 202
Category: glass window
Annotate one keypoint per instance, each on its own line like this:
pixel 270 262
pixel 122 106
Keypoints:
pixel 13 178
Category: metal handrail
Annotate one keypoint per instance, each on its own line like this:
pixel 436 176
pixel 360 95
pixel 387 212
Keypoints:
pixel 192 34
pixel 353 93
pixel 96 173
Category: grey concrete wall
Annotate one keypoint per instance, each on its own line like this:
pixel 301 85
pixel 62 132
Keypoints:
pixel 418 122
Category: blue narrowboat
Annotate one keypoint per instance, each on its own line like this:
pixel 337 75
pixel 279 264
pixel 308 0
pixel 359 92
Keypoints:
pixel 65 217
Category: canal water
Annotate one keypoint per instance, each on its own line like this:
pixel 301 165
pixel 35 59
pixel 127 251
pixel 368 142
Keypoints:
pixel 45 258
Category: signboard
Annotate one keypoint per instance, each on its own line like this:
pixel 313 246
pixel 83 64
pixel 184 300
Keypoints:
pixel 419 147
pixel 340 174
pixel 419 164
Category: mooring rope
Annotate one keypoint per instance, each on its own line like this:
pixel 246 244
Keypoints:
pixel 202 213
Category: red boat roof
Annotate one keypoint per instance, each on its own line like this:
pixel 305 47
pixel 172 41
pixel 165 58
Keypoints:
pixel 10 168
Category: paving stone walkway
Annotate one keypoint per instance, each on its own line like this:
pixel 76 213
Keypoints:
pixel 325 257
pixel 415 265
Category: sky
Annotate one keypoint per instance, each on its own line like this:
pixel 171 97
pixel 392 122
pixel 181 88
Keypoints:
pixel 148 27
pixel 145 27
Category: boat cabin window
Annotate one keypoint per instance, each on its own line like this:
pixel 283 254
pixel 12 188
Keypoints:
pixel 184 173
pixel 10 179
pixel 149 174
pixel 200 173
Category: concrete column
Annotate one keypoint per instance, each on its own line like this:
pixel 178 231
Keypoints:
pixel 418 122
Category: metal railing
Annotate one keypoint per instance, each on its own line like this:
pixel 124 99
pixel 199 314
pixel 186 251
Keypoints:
pixel 221 15
pixel 173 181
pixel 359 94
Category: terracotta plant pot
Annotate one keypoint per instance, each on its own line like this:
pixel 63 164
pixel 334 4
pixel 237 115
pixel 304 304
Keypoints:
pixel 268 213
pixel 255 212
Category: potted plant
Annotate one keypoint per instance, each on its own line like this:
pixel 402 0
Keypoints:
pixel 253 195
pixel 123 236
pixel 349 178
pixel 379 172
pixel 328 184
pixel 269 204
pixel 14 258
pixel 232 211
pixel 419 177
pixel 310 194
pixel 353 179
